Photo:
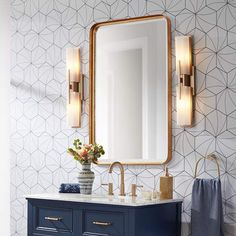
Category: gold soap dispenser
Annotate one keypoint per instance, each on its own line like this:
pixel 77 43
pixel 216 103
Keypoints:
pixel 166 185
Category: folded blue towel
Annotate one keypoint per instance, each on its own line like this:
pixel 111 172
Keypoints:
pixel 69 188
pixel 207 213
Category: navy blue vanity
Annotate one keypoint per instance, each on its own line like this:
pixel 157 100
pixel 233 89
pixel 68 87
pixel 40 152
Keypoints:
pixel 74 215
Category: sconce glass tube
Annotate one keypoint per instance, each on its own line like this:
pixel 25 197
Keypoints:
pixel 75 86
pixel 184 105
pixel 183 52
pixel 185 87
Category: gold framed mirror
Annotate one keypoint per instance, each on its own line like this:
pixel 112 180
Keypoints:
pixel 130 90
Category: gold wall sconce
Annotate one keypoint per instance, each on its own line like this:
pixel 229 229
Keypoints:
pixel 186 81
pixel 75 87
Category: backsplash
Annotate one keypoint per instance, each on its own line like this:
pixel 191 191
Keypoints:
pixel 43 29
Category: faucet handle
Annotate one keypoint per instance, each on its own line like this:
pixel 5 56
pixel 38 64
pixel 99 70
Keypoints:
pixel 110 188
pixel 134 189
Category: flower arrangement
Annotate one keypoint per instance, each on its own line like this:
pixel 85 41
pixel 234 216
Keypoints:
pixel 86 153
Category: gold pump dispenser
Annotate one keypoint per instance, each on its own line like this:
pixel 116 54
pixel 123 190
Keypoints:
pixel 166 185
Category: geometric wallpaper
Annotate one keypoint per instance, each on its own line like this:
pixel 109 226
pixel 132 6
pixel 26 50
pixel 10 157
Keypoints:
pixel 43 29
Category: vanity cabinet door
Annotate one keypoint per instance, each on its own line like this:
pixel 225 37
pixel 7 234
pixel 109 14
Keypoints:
pixel 55 219
pixel 52 219
pixel 104 223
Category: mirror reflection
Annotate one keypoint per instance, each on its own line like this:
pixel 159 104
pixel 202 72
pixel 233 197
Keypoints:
pixel 131 82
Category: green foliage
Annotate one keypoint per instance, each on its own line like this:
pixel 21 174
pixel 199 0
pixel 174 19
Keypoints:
pixel 86 153
pixel 77 144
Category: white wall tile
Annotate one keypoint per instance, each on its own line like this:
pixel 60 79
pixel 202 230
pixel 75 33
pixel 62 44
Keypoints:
pixel 42 30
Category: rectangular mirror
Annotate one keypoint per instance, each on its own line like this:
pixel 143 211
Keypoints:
pixel 130 90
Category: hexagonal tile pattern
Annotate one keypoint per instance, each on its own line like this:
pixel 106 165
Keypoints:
pixel 42 30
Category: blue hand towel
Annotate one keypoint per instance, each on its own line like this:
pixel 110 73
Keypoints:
pixel 69 188
pixel 207 213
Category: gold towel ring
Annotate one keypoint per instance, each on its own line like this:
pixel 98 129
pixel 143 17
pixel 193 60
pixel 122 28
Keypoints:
pixel 211 157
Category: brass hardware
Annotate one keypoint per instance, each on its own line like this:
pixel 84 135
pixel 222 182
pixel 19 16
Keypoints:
pixel 211 157
pixel 76 86
pixel 179 80
pixel 53 218
pixel 102 223
pixel 186 81
pixel 134 188
pixel 110 188
pixel 122 176
pixel 81 87
pixel 92 72
pixel 166 185
pixel 192 80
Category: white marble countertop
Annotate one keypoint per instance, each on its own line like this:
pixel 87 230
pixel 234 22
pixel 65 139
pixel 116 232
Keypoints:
pixel 100 199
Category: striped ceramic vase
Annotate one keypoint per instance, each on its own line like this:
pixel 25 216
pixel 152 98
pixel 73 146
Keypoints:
pixel 86 178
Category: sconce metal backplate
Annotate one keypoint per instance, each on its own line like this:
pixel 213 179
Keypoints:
pixel 187 80
pixel 192 80
pixel 76 86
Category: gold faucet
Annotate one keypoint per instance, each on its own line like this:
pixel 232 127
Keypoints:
pixel 122 176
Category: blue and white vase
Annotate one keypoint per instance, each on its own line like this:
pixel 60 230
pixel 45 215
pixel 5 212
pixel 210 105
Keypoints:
pixel 86 178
